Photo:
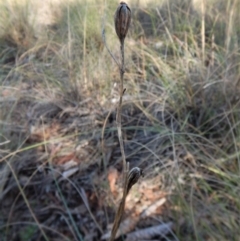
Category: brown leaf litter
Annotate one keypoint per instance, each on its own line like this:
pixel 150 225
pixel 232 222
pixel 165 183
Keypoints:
pixel 64 181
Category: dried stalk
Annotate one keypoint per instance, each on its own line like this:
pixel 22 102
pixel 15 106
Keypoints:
pixel 122 21
pixel 131 179
pixel 119 114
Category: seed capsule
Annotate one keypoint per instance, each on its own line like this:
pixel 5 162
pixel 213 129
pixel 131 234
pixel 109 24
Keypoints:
pixel 122 20
pixel 133 176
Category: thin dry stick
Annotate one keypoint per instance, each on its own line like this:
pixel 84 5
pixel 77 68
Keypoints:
pixel 203 5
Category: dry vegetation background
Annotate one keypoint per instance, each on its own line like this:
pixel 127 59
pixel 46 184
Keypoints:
pixel 60 162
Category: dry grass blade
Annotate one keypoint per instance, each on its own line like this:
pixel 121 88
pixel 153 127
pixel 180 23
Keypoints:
pixel 4 173
pixel 84 198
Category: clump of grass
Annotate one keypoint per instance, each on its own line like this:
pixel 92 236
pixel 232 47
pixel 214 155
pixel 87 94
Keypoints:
pixel 17 33
pixel 197 99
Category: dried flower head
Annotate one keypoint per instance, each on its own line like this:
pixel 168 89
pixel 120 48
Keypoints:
pixel 133 176
pixel 122 20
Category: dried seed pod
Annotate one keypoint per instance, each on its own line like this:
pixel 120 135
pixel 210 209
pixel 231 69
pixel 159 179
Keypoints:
pixel 133 176
pixel 122 20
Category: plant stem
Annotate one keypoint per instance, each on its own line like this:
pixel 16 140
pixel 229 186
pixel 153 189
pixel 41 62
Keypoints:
pixel 119 112
pixel 120 211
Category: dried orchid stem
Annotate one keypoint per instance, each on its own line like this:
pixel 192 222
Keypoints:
pixel 122 21
pixel 117 220
pixel 131 178
pixel 119 114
